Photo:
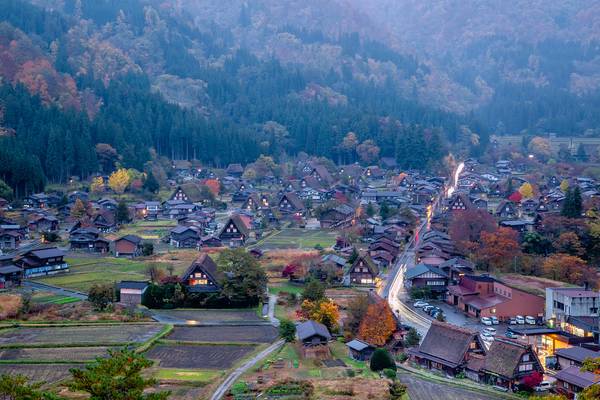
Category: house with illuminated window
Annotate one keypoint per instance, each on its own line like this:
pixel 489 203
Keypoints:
pixel 202 276
pixel 363 271
pixel 426 276
pixel 574 310
pixel 236 230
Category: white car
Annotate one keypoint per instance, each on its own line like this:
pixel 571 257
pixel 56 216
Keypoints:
pixel 495 320
pixel 485 334
pixel 486 321
pixel 530 320
pixel 487 339
pixel 491 331
pixel 520 320
pixel 544 386
pixel 420 304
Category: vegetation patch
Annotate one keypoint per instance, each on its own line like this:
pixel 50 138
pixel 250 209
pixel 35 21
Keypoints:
pixel 188 375
pixel 215 334
pixel 203 357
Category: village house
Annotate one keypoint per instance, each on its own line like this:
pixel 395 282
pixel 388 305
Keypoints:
pixel 43 223
pixel 104 221
pixel 10 274
pixel 188 192
pixel 311 333
pixel 575 355
pixel 42 262
pixel 359 350
pixel 459 202
pixel 290 204
pixel 202 275
pixel 506 210
pixel 235 170
pixel 571 381
pixel 341 216
pixel 562 304
pixel 129 246
pixel 426 276
pixel 185 237
pixel 363 271
pixel 88 239
pixel 447 348
pixel 485 296
pixel 236 230
pixel 9 240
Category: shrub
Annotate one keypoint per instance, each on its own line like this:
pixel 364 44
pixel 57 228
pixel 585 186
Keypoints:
pixel 314 291
pixel 147 249
pixel 101 296
pixel 397 390
pixel 402 357
pixel 381 359
pixel 350 373
pixel 412 338
pixel 287 330
pixel 389 373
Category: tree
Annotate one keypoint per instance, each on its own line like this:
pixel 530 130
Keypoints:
pixel 148 250
pixel 17 387
pixel 540 147
pixel 526 190
pixel 356 310
pixel 378 324
pixel 314 291
pixel 534 243
pixel 107 156
pixel 564 185
pixel 287 330
pixel 325 312
pixel 569 243
pixel 532 380
pixel 384 211
pixel 370 211
pixel 150 183
pixel 592 392
pixel 6 191
pixel 244 281
pixel 567 268
pixel 572 206
pixel 101 296
pixel 119 180
pixel 118 377
pixel 122 214
pixel 382 359
pixel 499 249
pixel 80 209
pixel 397 390
pixel 368 151
pixel 97 185
pixel 349 144
pixel 466 227
pixel 412 338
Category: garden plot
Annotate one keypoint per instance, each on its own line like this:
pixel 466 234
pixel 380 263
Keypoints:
pixel 199 356
pixel 49 373
pixel 295 238
pixel 59 354
pixel 212 316
pixel 78 335
pixel 231 334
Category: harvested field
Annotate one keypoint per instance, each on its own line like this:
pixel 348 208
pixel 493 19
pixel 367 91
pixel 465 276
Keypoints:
pixel 198 356
pixel 62 354
pixel 211 316
pixel 295 238
pixel 90 334
pixel 48 373
pixel 531 284
pixel 232 334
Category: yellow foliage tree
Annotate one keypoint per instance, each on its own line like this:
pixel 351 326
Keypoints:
pixel 526 190
pixel 119 180
pixel 325 312
pixel 564 185
pixel 378 324
pixel 591 392
pixel 97 185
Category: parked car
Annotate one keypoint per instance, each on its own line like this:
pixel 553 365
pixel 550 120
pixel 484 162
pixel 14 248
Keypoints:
pixel 434 310
pixel 512 321
pixel 511 335
pixel 530 320
pixel 491 331
pixel 439 312
pixel 485 334
pixel 495 320
pixel 520 320
pixel 544 386
pixel 427 308
pixel 420 304
pixel 486 321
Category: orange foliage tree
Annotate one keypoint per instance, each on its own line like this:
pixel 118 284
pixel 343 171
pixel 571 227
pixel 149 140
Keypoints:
pixel 213 185
pixel 378 324
pixel 568 268
pixel 499 249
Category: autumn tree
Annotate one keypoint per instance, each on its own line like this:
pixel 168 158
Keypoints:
pixel 349 144
pixel 213 185
pixel 569 243
pixel 378 324
pixel 122 214
pixel 498 249
pixel 107 156
pixel 287 330
pixel 368 151
pixel 119 180
pixel 97 185
pixel 467 226
pixel 357 309
pixel 80 209
pixel 526 190
pixel 117 377
pixel 567 268
pixel 325 312
pixel 313 291
pixel 540 147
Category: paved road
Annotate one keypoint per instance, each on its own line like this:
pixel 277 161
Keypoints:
pixel 272 304
pixel 235 375
pixel 54 289
pixel 420 389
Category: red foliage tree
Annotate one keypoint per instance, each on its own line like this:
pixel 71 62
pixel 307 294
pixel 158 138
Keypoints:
pixel 466 227
pixel 516 197
pixel 532 380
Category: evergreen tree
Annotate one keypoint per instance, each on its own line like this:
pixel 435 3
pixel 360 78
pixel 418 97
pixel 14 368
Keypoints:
pixel 122 214
pixel 151 184
pixel 572 206
pixel 287 330
pixel 381 359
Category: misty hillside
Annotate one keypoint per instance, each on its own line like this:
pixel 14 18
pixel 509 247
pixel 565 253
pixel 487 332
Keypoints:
pixel 226 81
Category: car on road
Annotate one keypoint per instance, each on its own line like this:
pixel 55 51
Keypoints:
pixel 491 331
pixel 420 304
pixel 486 321
pixel 544 386
pixel 511 335
pixel 530 320
pixel 495 320
pixel 520 320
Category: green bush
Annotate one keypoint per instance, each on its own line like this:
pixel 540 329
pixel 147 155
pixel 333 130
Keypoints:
pixel 389 373
pixel 397 390
pixel 402 357
pixel 287 330
pixel 381 359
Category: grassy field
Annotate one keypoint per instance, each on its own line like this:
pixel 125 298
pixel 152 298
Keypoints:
pixel 188 375
pixel 295 238
pixel 85 272
pixel 50 298
pixel 149 230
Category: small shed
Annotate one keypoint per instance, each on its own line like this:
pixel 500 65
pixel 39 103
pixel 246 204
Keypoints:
pixel 359 350
pixel 131 292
